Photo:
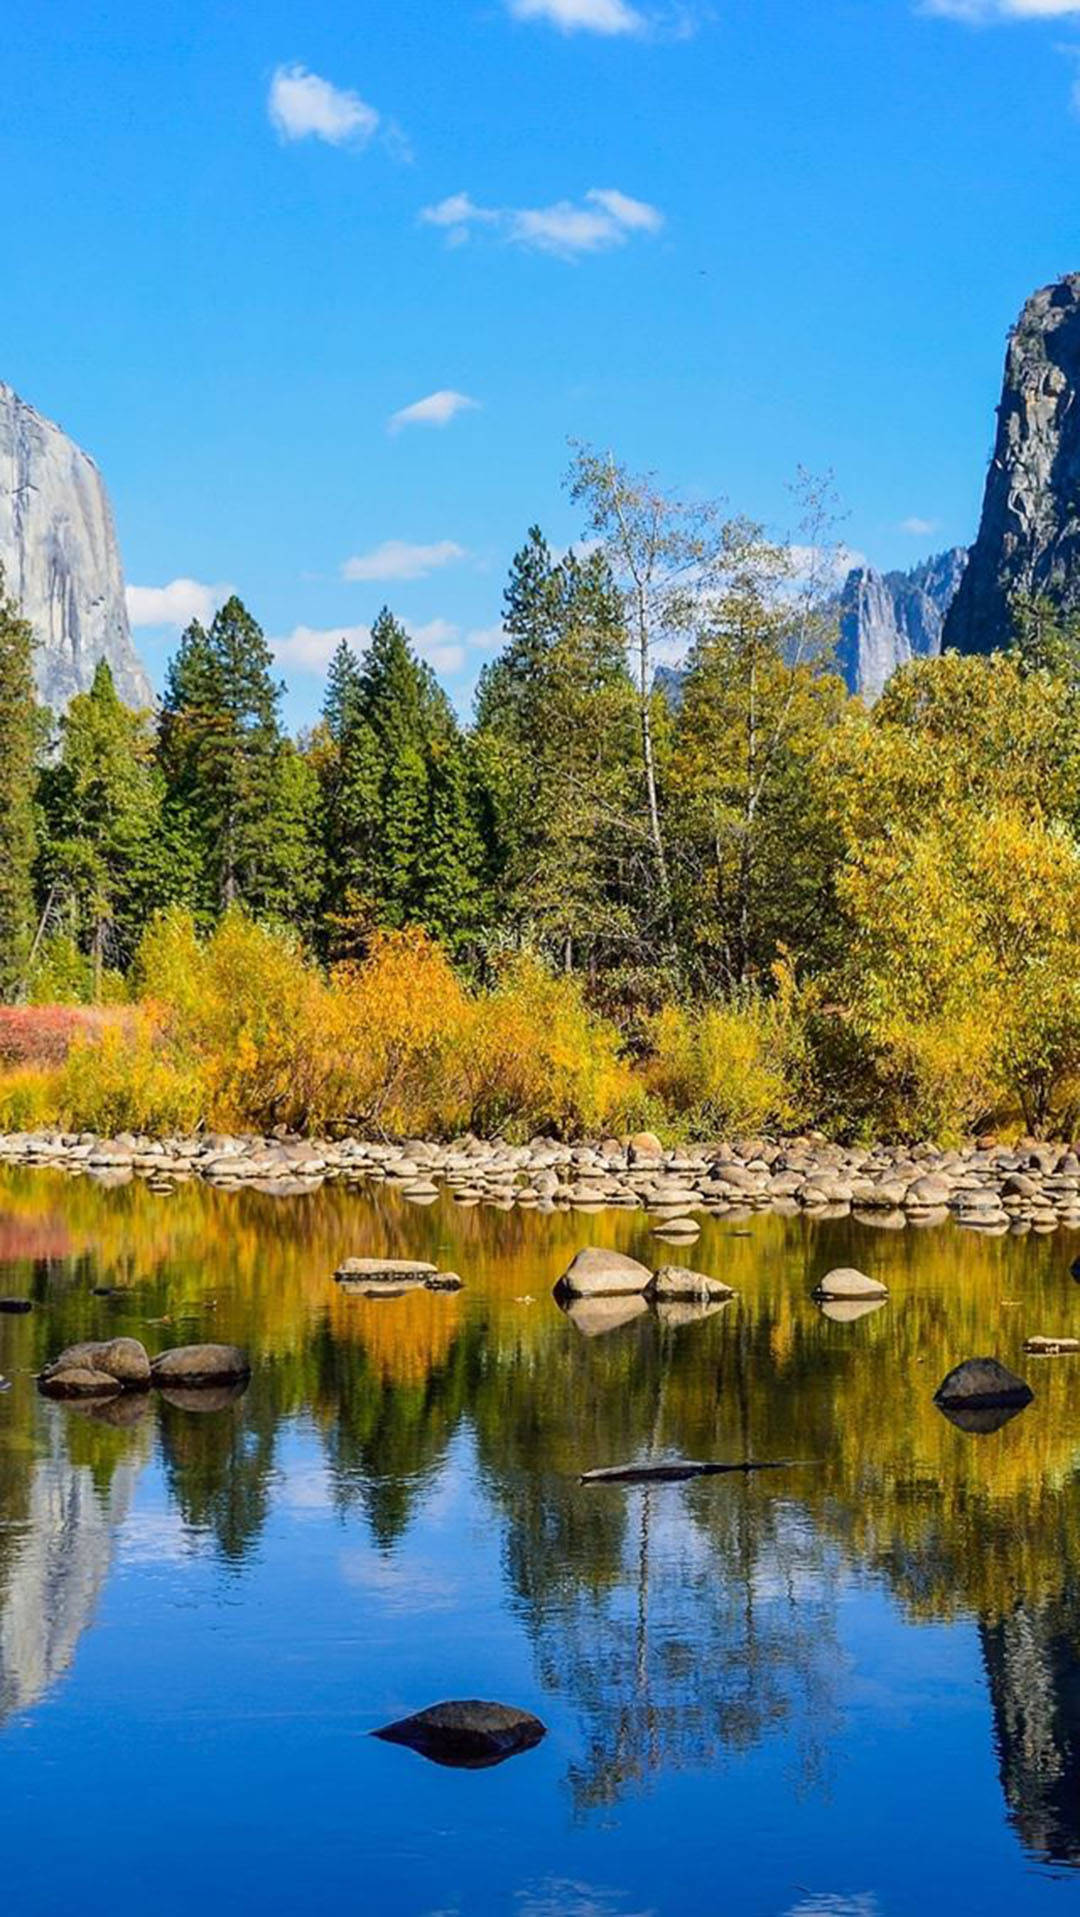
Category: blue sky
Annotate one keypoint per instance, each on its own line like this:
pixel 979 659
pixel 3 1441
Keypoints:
pixel 325 289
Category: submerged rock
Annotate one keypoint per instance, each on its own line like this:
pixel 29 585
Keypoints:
pixel 16 1305
pixel 980 1422
pixel 201 1365
pixel 982 1384
pixel 597 1273
pixel 466 1734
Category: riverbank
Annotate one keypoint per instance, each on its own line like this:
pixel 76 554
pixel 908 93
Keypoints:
pixel 987 1188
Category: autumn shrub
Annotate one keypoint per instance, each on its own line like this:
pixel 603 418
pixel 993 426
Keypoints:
pixel 533 1057
pixel 723 1069
pixel 397 1022
pixel 29 1098
pixel 127 1080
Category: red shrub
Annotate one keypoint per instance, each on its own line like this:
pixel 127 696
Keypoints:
pixel 44 1034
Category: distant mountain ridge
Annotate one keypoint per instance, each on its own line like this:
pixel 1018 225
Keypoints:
pixel 888 619
pixel 60 558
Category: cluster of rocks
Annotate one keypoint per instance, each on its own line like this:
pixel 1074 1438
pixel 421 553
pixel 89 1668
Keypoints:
pixel 104 1368
pixel 984 1186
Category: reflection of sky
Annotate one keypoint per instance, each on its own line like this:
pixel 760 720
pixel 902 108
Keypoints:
pixel 234 1704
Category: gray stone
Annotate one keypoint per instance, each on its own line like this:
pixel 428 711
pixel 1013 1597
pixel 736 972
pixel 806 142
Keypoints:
pixel 845 1282
pixel 676 1281
pixel 121 1362
pixel 596 1273
pixel 200 1365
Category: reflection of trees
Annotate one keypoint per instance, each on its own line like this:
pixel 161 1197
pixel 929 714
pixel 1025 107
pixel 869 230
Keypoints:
pixel 1032 1660
pixel 680 1622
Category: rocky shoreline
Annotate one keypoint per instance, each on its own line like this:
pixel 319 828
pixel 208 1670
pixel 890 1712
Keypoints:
pixel 986 1187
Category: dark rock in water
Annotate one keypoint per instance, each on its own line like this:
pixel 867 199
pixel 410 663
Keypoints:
pixel 677 1281
pixel 445 1281
pixel 16 1305
pixel 674 1471
pixel 466 1733
pixel 97 1369
pixel 980 1423
pixel 1029 533
pixel 982 1384
pixel 204 1397
pixel 201 1365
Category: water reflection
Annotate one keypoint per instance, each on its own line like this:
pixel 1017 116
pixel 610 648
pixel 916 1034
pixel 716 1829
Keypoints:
pixel 685 1625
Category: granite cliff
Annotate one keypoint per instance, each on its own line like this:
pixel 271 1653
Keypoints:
pixel 60 559
pixel 888 619
pixel 1029 534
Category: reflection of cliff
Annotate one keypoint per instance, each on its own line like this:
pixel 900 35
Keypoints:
pixel 57 1564
pixel 1033 1665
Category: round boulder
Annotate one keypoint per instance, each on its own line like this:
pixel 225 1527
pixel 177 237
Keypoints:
pixel 982 1384
pixel 596 1273
pixel 200 1365
pixel 846 1282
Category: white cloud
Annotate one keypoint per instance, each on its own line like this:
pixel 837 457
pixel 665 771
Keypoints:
pixel 919 528
pixel 581 16
pixel 984 12
pixel 486 638
pixel 603 218
pixel 438 409
pixel 176 604
pixel 303 106
pixel 397 559
pixel 311 648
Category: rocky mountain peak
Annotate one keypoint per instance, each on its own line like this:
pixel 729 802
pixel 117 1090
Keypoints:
pixel 59 555
pixel 1029 534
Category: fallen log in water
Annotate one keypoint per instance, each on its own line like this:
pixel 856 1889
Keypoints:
pixel 678 1471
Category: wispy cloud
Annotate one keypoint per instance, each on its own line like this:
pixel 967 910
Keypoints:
pixel 612 19
pixel 582 16
pixel 919 528
pixel 603 218
pixel 176 604
pixel 311 648
pixel 304 106
pixel 438 409
pixel 979 13
pixel 397 559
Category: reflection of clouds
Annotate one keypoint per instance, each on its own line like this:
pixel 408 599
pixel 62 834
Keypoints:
pixel 826 1905
pixel 305 1487
pixel 565 1897
pixel 157 1537
pixel 400 1584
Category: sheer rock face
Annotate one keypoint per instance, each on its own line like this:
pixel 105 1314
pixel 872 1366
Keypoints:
pixel 60 559
pixel 1029 535
pixel 888 619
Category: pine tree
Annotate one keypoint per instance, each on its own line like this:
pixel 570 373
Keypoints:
pixel 103 855
pixel 20 732
pixel 232 778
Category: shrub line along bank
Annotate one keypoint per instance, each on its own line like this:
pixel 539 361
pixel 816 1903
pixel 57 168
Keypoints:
pixel 987 1187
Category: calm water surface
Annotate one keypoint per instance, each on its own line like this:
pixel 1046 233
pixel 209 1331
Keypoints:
pixel 851 1687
